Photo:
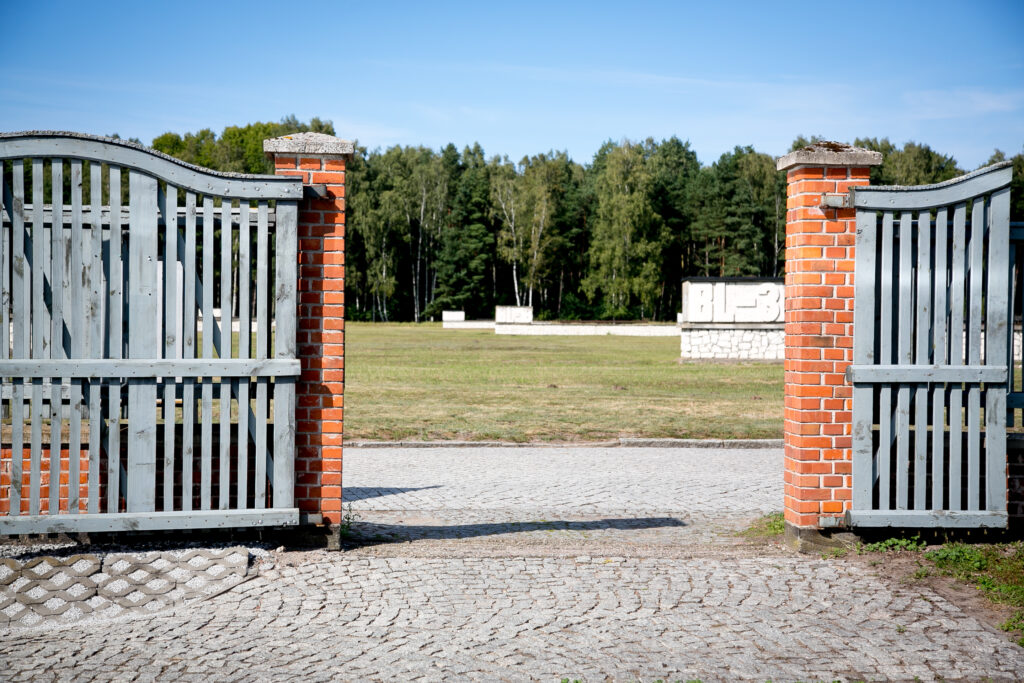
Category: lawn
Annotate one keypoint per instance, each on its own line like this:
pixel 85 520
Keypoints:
pixel 421 382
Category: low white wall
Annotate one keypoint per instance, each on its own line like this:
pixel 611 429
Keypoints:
pixel 509 315
pixel 733 342
pixel 468 325
pixel 453 316
pixel 589 329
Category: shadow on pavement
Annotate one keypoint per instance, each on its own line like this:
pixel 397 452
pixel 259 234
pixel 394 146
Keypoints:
pixel 370 532
pixel 353 493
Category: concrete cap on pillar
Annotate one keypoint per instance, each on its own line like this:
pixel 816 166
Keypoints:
pixel 829 154
pixel 317 144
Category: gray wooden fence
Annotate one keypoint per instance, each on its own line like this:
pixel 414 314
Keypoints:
pixel 932 353
pixel 108 250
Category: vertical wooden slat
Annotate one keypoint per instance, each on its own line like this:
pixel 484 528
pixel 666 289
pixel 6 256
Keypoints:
pixel 19 330
pixel 169 211
pixel 188 350
pixel 142 342
pixel 115 340
pixel 885 345
pixel 11 252
pixel 244 341
pixel 56 335
pixel 75 271
pixel 263 332
pixel 285 304
pixel 863 354
pixel 976 248
pixel 225 352
pixel 40 330
pixel 922 357
pixel 956 354
pixel 996 326
pixel 208 326
pixel 95 314
pixel 6 204
pixel 904 357
pixel 940 356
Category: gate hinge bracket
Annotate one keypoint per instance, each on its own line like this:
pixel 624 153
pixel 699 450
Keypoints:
pixel 835 200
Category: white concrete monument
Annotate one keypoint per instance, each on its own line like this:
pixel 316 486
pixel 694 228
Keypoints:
pixel 732 301
pixel 513 315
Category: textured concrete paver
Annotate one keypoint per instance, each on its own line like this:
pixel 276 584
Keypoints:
pixel 630 578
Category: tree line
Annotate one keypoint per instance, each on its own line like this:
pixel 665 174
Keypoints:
pixel 431 230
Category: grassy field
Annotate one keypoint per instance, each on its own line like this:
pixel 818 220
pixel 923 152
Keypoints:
pixel 420 382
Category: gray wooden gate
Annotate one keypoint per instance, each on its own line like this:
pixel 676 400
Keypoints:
pixel 126 399
pixel 931 357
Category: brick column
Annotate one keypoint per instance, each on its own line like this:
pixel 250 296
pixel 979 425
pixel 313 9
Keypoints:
pixel 819 330
pixel 320 161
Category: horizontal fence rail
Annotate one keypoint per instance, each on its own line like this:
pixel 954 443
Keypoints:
pixel 147 340
pixel 932 354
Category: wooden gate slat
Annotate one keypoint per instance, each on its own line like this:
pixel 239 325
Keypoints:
pixel 57 276
pixel 262 350
pixel 169 213
pixel 886 417
pixel 904 357
pixel 142 342
pixel 956 354
pixel 244 346
pixel 188 349
pixel 40 263
pixel 207 385
pixel 224 488
pixel 6 204
pixel 976 243
pixel 115 344
pixel 999 333
pixel 864 464
pixel 940 354
pixel 285 305
pixel 922 330
pixel 19 331
pixel 95 314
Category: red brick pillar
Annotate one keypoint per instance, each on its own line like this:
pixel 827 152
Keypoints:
pixel 819 330
pixel 320 161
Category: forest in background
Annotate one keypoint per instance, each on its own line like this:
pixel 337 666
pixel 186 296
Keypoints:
pixel 430 230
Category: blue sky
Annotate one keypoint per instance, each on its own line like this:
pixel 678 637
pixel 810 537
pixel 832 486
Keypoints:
pixel 523 77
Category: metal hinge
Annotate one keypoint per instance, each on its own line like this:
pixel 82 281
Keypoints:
pixel 834 200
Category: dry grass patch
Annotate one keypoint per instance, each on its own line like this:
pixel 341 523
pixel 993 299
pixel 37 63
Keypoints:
pixel 406 381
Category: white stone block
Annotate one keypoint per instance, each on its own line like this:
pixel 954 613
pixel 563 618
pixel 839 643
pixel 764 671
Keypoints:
pixel 453 316
pixel 511 315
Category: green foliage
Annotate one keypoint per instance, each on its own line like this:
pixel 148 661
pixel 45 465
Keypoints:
pixel 915 164
pixel 239 149
pixel 429 230
pixel 913 544
pixel 958 558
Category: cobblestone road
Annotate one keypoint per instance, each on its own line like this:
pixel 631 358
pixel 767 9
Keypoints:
pixel 598 564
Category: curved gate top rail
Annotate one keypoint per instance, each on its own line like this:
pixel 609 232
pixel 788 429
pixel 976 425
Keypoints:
pixel 932 363
pixel 147 339
pixel 960 189
pixel 186 176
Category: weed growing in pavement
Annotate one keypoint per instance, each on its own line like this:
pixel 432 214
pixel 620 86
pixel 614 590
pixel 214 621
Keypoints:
pixel 997 569
pixel 834 553
pixel 348 519
pixel 769 526
pixel 913 544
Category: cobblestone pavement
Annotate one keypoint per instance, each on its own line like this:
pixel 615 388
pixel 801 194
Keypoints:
pixel 664 592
